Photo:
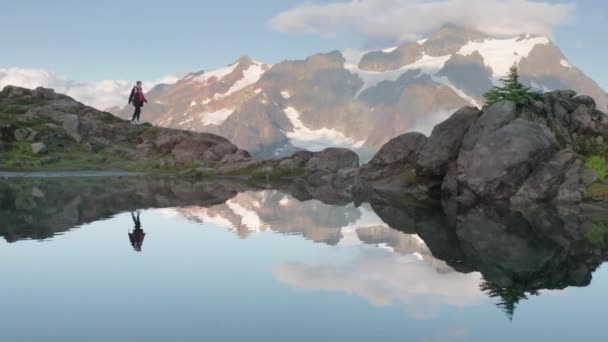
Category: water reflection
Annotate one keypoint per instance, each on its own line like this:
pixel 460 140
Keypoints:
pixel 387 250
pixel 136 237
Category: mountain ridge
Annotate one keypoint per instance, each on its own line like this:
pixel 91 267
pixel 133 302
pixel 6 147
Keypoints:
pixel 343 98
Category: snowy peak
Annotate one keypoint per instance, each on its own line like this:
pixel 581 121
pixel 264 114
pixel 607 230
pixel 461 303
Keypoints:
pixel 359 98
pixel 500 54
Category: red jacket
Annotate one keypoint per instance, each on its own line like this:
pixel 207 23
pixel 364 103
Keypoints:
pixel 137 97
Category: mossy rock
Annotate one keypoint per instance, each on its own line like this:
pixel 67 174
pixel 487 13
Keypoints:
pixel 597 192
pixel 408 178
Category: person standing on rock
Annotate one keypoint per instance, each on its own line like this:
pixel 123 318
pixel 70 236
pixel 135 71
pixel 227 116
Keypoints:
pixel 138 99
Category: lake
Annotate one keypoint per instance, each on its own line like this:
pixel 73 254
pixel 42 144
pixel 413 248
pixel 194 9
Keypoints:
pixel 164 259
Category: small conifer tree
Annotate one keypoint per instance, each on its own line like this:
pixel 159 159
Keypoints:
pixel 512 90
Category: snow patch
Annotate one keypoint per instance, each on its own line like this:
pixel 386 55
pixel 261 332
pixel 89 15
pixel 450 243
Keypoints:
pixel 215 74
pixel 185 121
pixel 500 54
pixel 316 140
pixel 216 118
pixel 389 50
pixel 565 63
pixel 286 95
pixel 250 76
pixel 427 65
pixel 422 41
pixel 445 81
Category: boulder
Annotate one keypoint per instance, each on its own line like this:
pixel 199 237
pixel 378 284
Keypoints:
pixel 576 181
pixel 444 143
pixel 192 148
pixel 331 160
pixel 501 161
pixel 296 161
pixel 544 183
pixel 21 134
pixel 236 157
pixel 71 126
pixel 493 117
pixel 399 153
pixel 166 142
pixel 38 148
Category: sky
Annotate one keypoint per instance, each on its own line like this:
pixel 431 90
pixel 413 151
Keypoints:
pixel 128 40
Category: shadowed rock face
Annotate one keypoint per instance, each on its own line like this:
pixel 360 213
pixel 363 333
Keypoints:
pixel 525 154
pixel 383 61
pixel 469 74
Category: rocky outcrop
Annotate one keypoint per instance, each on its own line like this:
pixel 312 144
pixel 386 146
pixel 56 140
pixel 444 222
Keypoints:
pixel 522 154
pixel 61 124
pixel 444 143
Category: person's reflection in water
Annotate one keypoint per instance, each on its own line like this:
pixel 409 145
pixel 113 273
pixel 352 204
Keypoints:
pixel 138 234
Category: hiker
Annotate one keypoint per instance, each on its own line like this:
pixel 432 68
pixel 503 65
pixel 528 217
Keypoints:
pixel 138 99
pixel 137 236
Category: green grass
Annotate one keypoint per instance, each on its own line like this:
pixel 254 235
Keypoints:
pixel 597 234
pixel 408 178
pixel 598 164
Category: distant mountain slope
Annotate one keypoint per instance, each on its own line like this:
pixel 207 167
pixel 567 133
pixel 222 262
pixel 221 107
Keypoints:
pixel 358 99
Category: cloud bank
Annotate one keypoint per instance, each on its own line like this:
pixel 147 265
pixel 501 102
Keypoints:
pixel 394 21
pixel 385 278
pixel 99 94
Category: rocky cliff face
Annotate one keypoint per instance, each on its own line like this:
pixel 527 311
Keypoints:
pixel 358 100
pixel 524 154
pixel 43 129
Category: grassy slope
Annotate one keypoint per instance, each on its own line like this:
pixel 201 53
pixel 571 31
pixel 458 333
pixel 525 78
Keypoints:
pixel 63 153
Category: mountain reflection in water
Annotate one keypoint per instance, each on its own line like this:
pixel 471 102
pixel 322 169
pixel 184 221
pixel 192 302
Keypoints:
pixel 400 251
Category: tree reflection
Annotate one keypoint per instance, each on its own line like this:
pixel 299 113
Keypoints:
pixel 508 297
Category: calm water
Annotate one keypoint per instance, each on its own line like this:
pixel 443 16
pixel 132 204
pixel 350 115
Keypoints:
pixel 231 262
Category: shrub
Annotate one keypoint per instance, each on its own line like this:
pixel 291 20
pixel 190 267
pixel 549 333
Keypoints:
pixel 512 90
pixel 598 164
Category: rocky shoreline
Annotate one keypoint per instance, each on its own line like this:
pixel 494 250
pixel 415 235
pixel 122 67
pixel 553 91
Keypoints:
pixel 502 153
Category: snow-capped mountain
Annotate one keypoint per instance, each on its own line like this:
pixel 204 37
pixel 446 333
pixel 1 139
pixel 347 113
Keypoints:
pixel 358 99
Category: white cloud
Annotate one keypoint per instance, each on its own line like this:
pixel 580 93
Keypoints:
pixel 408 20
pixel 99 94
pixel 385 279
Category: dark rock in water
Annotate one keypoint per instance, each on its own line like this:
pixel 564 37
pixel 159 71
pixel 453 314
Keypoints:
pixel 444 143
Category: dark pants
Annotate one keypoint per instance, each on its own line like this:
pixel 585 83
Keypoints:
pixel 136 114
